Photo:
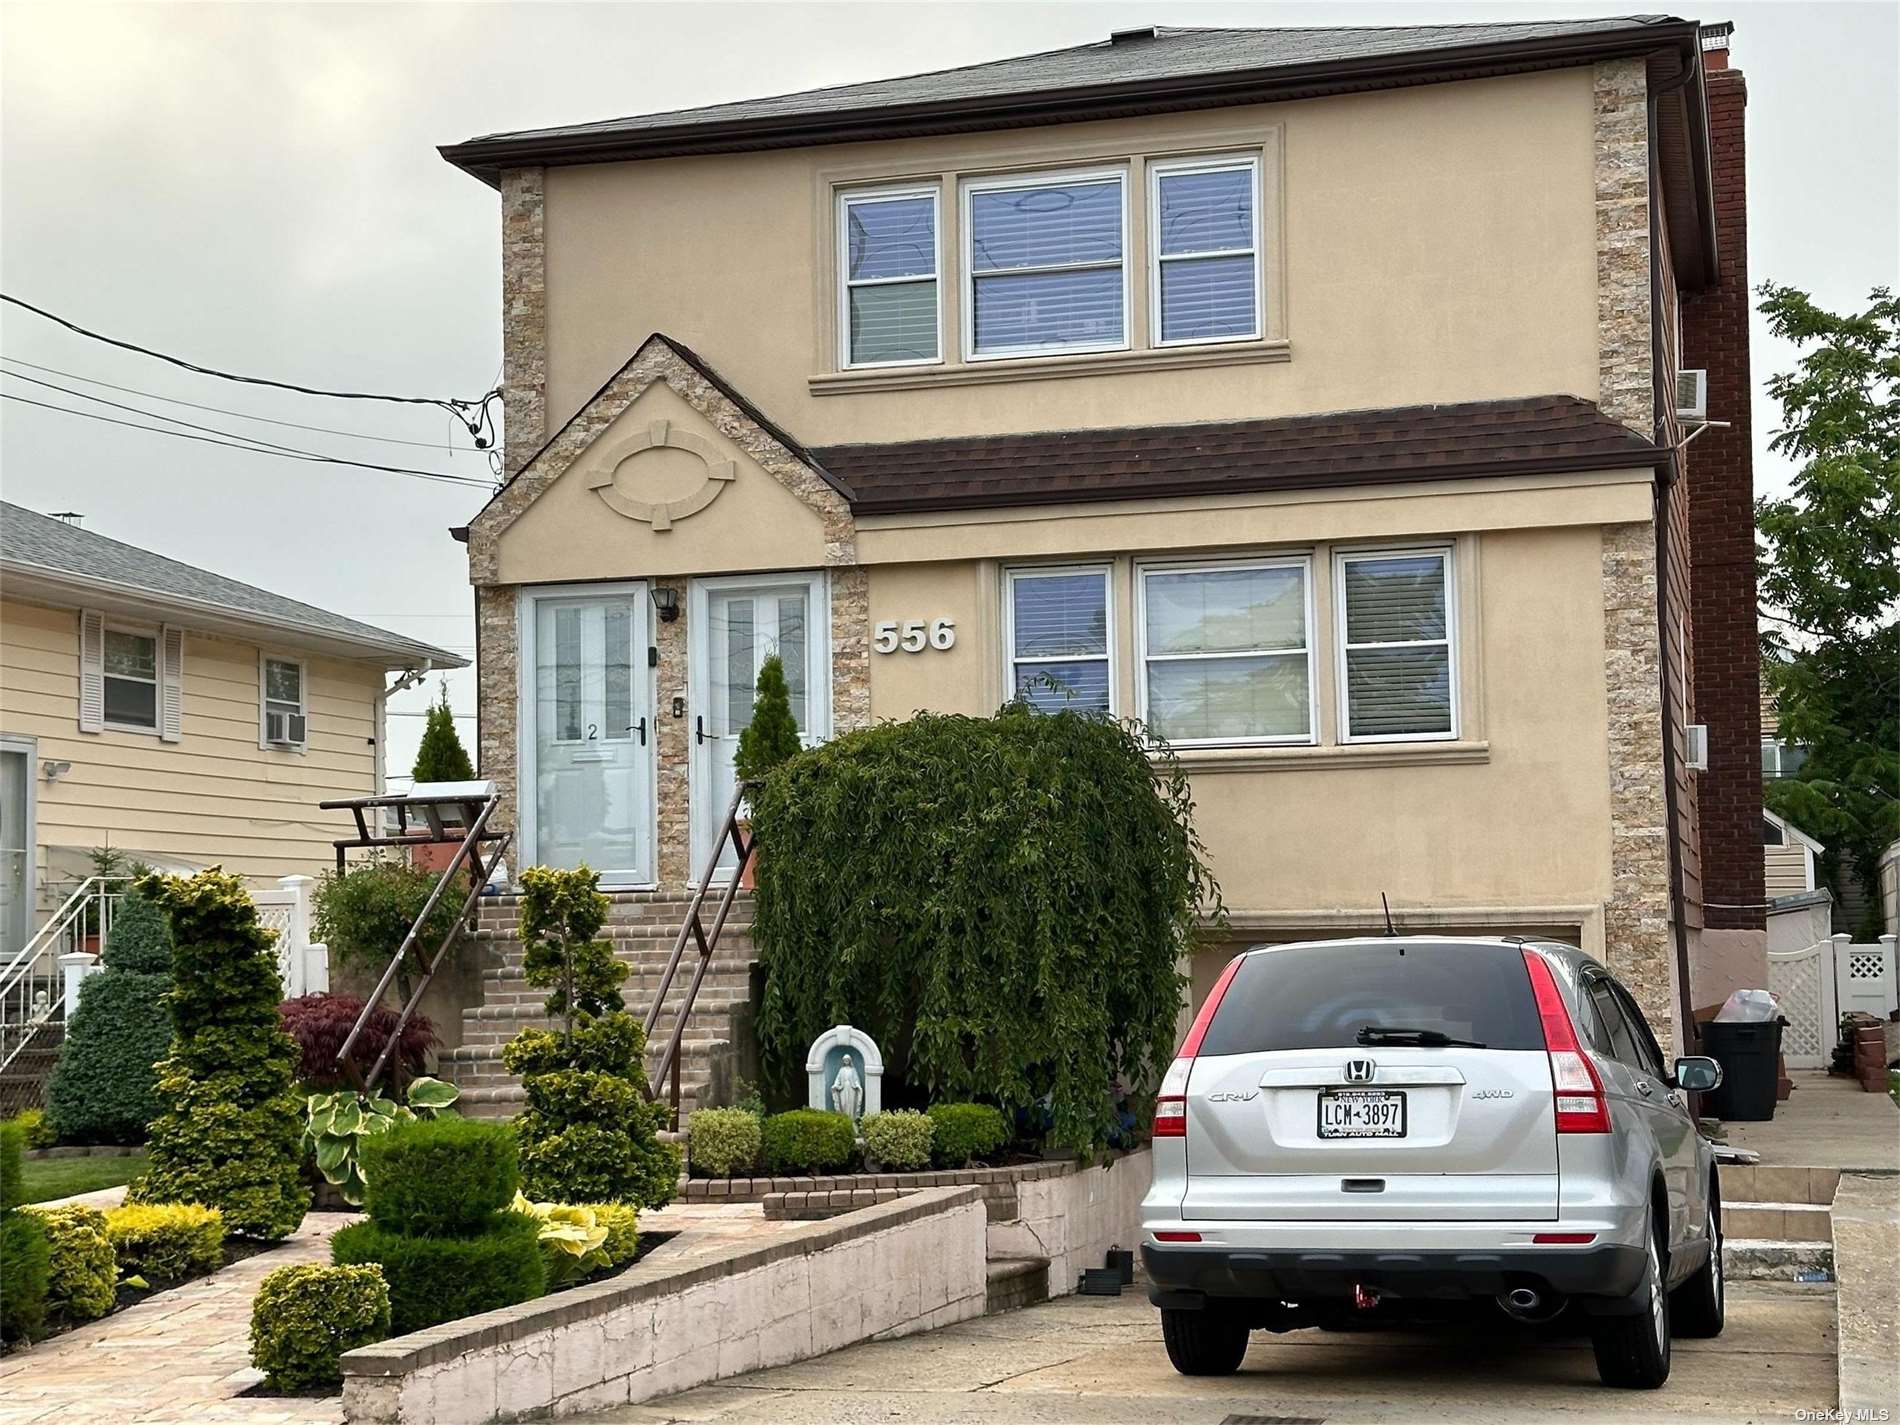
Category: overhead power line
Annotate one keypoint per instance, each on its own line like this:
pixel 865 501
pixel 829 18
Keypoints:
pixel 241 415
pixel 282 453
pixel 479 424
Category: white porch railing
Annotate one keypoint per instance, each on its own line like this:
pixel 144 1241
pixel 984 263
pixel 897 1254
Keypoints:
pixel 35 983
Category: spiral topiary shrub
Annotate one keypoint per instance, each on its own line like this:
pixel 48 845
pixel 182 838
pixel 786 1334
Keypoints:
pixel 305 1317
pixel 437 1279
pixel 167 1242
pixel 438 1177
pixel 82 1273
pixel 105 1087
pixel 722 1142
pixel 807 1140
pixel 898 1140
pixel 1004 903
pixel 230 1131
pixel 964 1131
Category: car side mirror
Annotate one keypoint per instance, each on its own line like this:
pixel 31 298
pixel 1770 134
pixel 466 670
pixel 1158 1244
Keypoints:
pixel 1697 1073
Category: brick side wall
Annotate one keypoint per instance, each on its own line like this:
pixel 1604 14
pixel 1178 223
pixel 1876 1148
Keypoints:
pixel 1720 476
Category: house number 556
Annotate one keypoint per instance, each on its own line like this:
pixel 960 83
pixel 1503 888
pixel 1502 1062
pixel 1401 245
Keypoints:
pixel 914 635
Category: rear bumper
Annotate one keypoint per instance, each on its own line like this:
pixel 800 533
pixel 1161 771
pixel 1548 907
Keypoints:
pixel 1189 1276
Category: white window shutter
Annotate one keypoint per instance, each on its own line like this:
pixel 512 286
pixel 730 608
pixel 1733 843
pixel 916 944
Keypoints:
pixel 92 671
pixel 171 683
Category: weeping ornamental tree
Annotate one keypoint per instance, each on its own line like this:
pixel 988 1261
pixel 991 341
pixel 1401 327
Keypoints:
pixel 1003 903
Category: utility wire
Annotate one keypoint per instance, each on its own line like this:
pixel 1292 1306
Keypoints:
pixel 281 453
pixel 477 424
pixel 241 415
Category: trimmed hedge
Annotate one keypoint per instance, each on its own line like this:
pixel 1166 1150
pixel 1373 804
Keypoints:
pixel 965 1131
pixel 807 1140
pixel 82 1273
pixel 35 1130
pixel 437 1279
pixel 722 1142
pixel 25 1267
pixel 305 1317
pixel 141 938
pixel 104 1088
pixel 439 1176
pixel 12 1145
pixel 166 1242
pixel 898 1140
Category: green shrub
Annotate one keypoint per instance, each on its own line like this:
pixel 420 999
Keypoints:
pixel 82 1273
pixel 437 1279
pixel 35 1131
pixel 1005 903
pixel 305 1317
pixel 105 1088
pixel 807 1140
pixel 141 938
pixel 588 1133
pixel 336 1125
pixel 166 1242
pixel 438 1177
pixel 898 1140
pixel 12 1145
pixel 230 1131
pixel 771 738
pixel 622 1221
pixel 440 757
pixel 722 1142
pixel 965 1131
pixel 363 914
pixel 24 1271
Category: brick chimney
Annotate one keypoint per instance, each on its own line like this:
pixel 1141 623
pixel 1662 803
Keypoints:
pixel 1720 474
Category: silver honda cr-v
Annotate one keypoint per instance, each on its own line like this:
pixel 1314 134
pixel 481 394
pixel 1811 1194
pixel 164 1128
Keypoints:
pixel 1365 1132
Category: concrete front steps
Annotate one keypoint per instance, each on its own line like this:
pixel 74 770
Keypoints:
pixel 642 927
pixel 1776 1222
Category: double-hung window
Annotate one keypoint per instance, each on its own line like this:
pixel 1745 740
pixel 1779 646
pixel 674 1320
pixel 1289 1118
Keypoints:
pixel 1396 663
pixel 888 286
pixel 1059 634
pixel 285 720
pixel 1226 651
pixel 131 680
pixel 1204 234
pixel 1044 262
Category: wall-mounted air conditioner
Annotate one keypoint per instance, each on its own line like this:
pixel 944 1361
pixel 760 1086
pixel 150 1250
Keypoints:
pixel 1692 395
pixel 285 729
pixel 1695 738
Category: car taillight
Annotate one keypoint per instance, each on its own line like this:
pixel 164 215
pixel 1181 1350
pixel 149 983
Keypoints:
pixel 1171 1117
pixel 1581 1107
pixel 1171 1101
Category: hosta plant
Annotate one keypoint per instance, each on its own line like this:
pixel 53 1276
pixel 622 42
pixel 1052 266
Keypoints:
pixel 573 1238
pixel 335 1125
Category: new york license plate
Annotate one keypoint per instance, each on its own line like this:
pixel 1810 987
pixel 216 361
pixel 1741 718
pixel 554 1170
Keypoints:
pixel 1361 1113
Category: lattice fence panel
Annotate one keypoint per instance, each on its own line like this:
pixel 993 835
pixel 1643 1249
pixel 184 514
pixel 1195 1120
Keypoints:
pixel 1800 981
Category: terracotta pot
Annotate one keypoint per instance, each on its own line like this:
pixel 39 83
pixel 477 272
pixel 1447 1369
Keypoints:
pixel 433 856
pixel 751 863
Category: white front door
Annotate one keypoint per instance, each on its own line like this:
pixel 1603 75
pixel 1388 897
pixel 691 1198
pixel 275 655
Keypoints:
pixel 587 732
pixel 735 625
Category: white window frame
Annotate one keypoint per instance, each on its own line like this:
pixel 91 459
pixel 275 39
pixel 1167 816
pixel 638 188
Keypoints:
pixel 1106 571
pixel 1342 633
pixel 157 635
pixel 1203 164
pixel 1302 562
pixel 846 198
pixel 966 239
pixel 264 700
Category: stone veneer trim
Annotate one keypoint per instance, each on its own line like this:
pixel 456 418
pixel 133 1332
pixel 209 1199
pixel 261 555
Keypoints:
pixel 1624 381
pixel 524 313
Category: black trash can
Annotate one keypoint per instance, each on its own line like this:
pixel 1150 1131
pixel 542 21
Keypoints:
pixel 1750 1056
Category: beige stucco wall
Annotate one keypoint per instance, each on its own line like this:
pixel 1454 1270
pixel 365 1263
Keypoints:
pixel 1437 244
pixel 213 796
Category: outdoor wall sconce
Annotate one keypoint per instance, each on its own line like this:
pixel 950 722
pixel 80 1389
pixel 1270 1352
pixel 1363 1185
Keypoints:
pixel 666 602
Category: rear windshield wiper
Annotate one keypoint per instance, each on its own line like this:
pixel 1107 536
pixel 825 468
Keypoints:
pixel 1423 1038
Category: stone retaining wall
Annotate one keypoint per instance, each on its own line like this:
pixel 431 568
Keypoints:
pixel 670 1323
pixel 1074 1219
pixel 757 1189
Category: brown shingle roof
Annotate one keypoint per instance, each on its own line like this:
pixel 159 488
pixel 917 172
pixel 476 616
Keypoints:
pixel 1540 434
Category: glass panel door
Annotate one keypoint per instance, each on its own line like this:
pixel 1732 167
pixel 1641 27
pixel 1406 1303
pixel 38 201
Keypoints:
pixel 592 735
pixel 16 849
pixel 739 626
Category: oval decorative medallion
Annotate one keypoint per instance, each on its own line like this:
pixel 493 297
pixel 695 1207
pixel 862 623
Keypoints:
pixel 660 435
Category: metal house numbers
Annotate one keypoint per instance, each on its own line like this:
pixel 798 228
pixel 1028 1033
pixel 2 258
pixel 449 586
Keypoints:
pixel 914 635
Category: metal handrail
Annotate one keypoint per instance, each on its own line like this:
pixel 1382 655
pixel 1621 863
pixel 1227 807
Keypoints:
pixel 743 846
pixel 35 968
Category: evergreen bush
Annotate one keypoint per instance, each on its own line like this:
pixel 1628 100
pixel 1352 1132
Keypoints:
pixel 439 1177
pixel 963 1131
pixel 722 1142
pixel 898 1140
pixel 807 1140
pixel 12 1174
pixel 82 1273
pixel 437 1279
pixel 589 1133
pixel 230 1130
pixel 363 914
pixel 441 756
pixel 305 1317
pixel 1004 903
pixel 35 1128
pixel 771 738
pixel 24 1259
pixel 321 1022
pixel 168 1242
pixel 104 1088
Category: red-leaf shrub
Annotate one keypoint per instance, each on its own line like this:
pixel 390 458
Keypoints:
pixel 320 1024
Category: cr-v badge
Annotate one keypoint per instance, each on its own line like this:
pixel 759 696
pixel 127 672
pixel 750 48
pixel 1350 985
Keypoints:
pixel 1224 1097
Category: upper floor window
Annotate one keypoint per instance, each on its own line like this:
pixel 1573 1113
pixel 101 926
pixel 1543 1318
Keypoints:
pixel 131 679
pixel 1225 654
pixel 889 280
pixel 285 721
pixel 1396 646
pixel 1058 638
pixel 1782 759
pixel 1044 257
pixel 1204 219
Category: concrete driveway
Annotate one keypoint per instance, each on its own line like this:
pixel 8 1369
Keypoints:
pixel 1100 1360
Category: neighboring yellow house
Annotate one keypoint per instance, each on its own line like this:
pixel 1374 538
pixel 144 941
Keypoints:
pixel 1310 395
pixel 172 714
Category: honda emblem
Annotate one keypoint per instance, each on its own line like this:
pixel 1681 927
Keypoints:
pixel 1360 1071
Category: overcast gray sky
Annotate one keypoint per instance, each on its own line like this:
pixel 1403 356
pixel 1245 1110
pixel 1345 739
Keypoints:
pixel 255 187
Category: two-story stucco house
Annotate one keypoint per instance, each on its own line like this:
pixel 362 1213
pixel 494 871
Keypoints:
pixel 1308 394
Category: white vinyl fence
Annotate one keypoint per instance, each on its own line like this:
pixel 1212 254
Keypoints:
pixel 1819 983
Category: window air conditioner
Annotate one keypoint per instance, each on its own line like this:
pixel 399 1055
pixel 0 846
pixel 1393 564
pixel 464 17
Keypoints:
pixel 1695 739
pixel 1692 395
pixel 285 729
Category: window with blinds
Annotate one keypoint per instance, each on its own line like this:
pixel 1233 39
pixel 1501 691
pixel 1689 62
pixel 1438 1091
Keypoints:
pixel 1226 653
pixel 1044 258
pixel 1396 645
pixel 1205 247
pixel 889 287
pixel 1058 637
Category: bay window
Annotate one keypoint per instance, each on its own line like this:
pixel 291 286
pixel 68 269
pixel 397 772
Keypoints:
pixel 1058 634
pixel 1226 651
pixel 1205 250
pixel 1044 262
pixel 888 286
pixel 1395 640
